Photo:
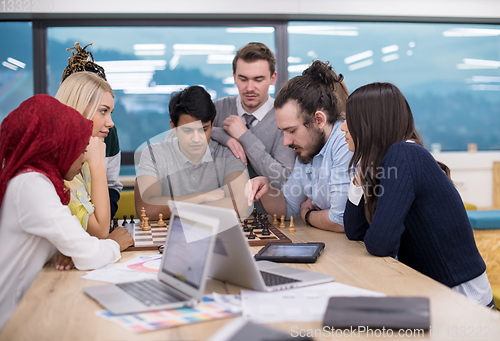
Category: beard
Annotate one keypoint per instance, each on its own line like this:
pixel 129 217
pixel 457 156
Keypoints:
pixel 317 141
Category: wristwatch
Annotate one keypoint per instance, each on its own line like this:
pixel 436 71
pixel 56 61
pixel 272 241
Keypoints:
pixel 306 218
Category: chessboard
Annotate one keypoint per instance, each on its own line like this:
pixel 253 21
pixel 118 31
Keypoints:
pixel 260 239
pixel 146 240
pixel 258 230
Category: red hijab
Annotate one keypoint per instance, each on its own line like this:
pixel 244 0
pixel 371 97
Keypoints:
pixel 42 135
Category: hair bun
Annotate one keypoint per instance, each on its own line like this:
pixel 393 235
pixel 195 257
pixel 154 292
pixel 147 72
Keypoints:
pixel 82 60
pixel 323 73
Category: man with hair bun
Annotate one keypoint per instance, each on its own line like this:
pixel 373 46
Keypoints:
pixel 246 123
pixel 310 110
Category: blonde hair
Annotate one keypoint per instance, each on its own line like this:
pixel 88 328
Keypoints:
pixel 83 90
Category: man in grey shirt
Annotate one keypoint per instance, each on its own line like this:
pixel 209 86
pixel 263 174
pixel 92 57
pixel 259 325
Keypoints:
pixel 246 123
pixel 183 168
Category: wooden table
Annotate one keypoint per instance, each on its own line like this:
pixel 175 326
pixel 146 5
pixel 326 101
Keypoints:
pixel 55 307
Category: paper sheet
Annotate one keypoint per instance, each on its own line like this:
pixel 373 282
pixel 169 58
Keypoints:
pixel 302 304
pixel 140 268
pixel 118 276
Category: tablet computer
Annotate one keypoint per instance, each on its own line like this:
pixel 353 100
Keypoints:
pixel 290 253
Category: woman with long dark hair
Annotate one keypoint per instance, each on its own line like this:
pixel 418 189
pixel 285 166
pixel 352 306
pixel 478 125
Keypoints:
pixel 402 202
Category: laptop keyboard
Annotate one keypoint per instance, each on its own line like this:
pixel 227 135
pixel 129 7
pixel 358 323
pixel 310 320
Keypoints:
pixel 149 292
pixel 273 279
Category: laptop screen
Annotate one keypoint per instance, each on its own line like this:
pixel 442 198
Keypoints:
pixel 187 250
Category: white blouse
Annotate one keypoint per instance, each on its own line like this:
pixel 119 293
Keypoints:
pixel 33 226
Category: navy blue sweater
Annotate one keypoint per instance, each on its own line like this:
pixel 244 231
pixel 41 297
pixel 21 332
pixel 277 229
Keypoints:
pixel 420 218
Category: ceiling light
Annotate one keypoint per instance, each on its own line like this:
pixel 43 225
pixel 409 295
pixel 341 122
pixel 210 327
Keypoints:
pixel 389 49
pixel 150 46
pixel 390 57
pixel 359 56
pixel 149 52
pixel 471 32
pixel 10 66
pixel 202 48
pixel 220 59
pixel 298 68
pixel 133 65
pixel 294 59
pixel 360 65
pixel 324 30
pixel 16 62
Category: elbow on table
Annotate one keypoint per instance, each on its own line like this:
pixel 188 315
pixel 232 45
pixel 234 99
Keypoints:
pixel 378 250
pixel 353 235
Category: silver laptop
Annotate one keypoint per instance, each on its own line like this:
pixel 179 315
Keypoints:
pixel 233 260
pixel 183 272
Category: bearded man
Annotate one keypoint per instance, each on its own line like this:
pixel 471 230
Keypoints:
pixel 309 110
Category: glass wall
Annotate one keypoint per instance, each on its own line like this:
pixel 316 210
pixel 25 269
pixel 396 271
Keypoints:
pixel 144 65
pixel 16 69
pixel 449 73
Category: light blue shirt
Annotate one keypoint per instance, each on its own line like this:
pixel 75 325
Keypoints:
pixel 325 179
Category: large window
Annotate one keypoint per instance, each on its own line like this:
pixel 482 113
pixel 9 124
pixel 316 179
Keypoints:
pixel 16 69
pixel 144 65
pixel 449 73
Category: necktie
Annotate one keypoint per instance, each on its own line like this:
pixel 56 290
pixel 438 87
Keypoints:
pixel 249 120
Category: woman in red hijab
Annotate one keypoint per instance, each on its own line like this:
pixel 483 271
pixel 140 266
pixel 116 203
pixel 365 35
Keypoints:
pixel 41 143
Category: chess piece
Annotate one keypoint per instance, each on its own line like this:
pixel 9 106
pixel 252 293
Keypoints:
pixel 256 219
pixel 161 222
pixel 259 222
pixel 291 228
pixel 115 223
pixel 111 225
pixel 143 214
pixel 251 235
pixel 146 226
pixel 282 224
pixel 275 221
pixel 245 226
pixel 265 231
pixel 132 219
pixel 124 220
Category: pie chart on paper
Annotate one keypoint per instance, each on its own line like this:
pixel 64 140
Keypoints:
pixel 150 265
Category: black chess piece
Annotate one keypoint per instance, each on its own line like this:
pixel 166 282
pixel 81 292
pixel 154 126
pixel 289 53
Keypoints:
pixel 259 222
pixel 251 235
pixel 131 219
pixel 124 220
pixel 245 226
pixel 115 223
pixel 255 221
pixel 265 231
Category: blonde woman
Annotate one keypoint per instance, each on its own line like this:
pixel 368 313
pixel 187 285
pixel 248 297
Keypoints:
pixel 93 97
